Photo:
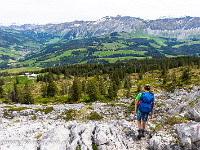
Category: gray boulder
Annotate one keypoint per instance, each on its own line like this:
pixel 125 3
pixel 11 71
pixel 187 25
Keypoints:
pixel 106 137
pixel 55 139
pixel 163 141
pixel 189 135
pixel 194 113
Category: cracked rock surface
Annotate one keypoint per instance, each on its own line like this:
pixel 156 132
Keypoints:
pixel 61 135
pixel 49 131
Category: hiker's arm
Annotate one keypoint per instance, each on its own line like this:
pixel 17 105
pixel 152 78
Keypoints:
pixel 136 106
pixel 151 116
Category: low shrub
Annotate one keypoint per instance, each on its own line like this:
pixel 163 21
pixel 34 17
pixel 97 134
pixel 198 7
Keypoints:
pixel 94 147
pixel 45 110
pixel 176 120
pixel 34 117
pixel 68 115
pixel 95 116
pixel 17 109
pixel 7 115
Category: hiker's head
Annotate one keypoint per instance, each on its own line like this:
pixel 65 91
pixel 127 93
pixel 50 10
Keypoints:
pixel 147 87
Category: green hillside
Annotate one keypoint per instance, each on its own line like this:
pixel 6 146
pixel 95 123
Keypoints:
pixel 115 47
pixel 43 49
pixel 14 45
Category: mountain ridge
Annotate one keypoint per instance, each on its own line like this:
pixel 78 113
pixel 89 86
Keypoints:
pixel 106 25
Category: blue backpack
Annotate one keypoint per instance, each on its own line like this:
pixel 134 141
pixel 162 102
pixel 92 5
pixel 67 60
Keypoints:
pixel 146 102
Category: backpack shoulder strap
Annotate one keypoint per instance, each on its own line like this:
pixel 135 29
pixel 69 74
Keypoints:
pixel 141 98
pixel 152 95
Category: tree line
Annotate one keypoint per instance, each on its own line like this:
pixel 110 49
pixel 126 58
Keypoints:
pixel 134 66
pixel 92 82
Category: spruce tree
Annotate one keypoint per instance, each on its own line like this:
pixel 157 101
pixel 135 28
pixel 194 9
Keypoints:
pixel 139 88
pixel 44 90
pixel 115 89
pixel 128 93
pixel 17 80
pixel 76 90
pixel 1 82
pixel 64 89
pixel 115 78
pixel 174 82
pixel 27 96
pixel 84 88
pixel 111 91
pixel 140 75
pixel 127 85
pixel 51 88
pixel 102 87
pixel 15 94
pixel 127 82
pixel 1 92
pixel 93 89
pixel 164 79
pixel 185 77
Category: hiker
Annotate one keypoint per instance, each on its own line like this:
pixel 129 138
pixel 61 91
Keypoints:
pixel 144 106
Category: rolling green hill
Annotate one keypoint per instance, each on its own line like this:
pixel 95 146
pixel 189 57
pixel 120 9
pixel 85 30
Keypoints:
pixel 115 47
pixel 14 45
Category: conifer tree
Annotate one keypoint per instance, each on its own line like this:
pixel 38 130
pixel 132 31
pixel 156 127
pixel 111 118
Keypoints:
pixel 93 89
pixel 38 78
pixel 128 93
pixel 51 88
pixel 111 91
pixel 127 85
pixel 164 71
pixel 138 88
pixel 127 82
pixel 64 89
pixel 44 90
pixel 17 80
pixel 1 82
pixel 174 82
pixel 115 89
pixel 140 75
pixel 76 90
pixel 115 78
pixel 15 94
pixel 102 87
pixel 84 88
pixel 27 96
pixel 1 92
pixel 185 77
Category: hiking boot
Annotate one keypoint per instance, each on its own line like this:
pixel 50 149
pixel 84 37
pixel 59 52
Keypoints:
pixel 143 133
pixel 140 133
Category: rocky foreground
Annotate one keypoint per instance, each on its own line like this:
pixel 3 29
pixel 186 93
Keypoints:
pixel 175 125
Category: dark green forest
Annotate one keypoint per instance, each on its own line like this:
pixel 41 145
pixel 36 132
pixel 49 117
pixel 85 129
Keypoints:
pixel 99 82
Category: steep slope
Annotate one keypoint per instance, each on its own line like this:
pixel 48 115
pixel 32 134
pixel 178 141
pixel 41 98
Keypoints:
pixel 14 45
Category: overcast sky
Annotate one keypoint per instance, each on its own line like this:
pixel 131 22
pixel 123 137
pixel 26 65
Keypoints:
pixel 57 11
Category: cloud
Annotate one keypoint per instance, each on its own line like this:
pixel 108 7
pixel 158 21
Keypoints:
pixel 46 11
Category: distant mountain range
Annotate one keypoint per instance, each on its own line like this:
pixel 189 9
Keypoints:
pixel 183 27
pixel 21 43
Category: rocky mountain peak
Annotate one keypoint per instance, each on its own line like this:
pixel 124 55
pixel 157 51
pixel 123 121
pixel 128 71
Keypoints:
pixel 109 24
